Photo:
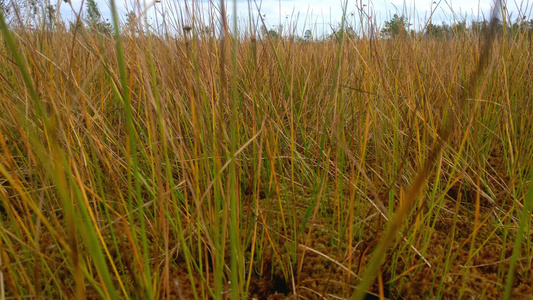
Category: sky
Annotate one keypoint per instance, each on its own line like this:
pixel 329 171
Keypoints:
pixel 318 15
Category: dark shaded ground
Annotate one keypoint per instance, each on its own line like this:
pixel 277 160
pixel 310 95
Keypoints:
pixel 325 267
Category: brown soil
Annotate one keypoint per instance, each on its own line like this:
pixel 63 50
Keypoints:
pixel 454 263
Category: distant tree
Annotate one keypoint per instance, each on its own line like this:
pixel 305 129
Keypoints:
pixel 348 32
pixel 308 35
pixel 480 28
pixel 131 21
pixel 446 30
pixel 93 12
pixel 396 26
pixel 521 26
pixel 437 31
pixel 94 19
pixel 514 29
pixel 279 29
pixel 273 34
pixel 431 30
pixel 498 26
pixel 458 29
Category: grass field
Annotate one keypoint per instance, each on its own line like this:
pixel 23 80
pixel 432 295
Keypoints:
pixel 145 166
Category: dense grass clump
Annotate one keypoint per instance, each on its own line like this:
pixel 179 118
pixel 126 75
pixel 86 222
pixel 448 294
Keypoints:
pixel 197 165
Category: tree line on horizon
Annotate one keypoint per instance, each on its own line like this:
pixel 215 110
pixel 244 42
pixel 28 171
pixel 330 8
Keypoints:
pixel 399 25
pixel 38 13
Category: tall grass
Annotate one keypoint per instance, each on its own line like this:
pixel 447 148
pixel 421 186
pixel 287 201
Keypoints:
pixel 227 163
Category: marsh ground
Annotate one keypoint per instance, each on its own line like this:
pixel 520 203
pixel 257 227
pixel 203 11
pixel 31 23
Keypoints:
pixel 172 167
